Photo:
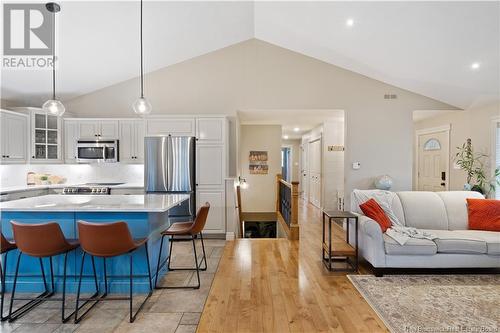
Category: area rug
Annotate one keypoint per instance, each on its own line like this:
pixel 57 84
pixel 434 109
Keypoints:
pixel 433 303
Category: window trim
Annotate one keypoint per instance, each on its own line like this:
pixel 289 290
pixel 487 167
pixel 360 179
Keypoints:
pixel 495 126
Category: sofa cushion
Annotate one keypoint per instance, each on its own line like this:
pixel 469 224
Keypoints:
pixel 424 210
pixel 414 246
pixel 492 239
pixel 455 203
pixel 458 241
pixel 484 214
pixel 373 210
pixel 380 196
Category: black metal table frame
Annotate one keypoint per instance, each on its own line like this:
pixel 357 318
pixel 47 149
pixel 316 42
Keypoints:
pixel 327 261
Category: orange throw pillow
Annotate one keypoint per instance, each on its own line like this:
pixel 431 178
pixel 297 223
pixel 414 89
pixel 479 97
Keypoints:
pixel 372 209
pixel 484 214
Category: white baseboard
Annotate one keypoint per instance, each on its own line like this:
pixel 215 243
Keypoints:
pixel 229 236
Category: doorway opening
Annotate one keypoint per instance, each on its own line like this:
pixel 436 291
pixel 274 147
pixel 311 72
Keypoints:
pixel 286 163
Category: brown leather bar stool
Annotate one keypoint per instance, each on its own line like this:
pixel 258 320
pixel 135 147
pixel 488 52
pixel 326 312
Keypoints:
pixel 192 229
pixel 5 247
pixel 107 240
pixel 40 241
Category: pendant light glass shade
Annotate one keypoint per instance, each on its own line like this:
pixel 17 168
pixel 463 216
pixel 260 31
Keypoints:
pixel 142 106
pixel 54 107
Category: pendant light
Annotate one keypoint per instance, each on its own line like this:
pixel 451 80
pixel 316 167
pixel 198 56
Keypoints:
pixel 53 106
pixel 142 106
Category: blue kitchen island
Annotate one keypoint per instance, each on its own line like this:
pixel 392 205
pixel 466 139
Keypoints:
pixel 146 216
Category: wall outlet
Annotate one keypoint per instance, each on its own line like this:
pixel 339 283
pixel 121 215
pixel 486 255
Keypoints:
pixel 356 166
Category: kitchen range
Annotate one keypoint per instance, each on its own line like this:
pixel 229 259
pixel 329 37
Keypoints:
pixel 90 188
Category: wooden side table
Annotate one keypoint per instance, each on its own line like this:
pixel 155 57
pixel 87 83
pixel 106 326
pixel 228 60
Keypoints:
pixel 339 251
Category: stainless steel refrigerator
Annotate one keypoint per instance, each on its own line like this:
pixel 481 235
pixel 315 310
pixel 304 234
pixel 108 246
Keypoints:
pixel 170 167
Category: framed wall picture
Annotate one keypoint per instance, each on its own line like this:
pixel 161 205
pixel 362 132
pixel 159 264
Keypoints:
pixel 258 163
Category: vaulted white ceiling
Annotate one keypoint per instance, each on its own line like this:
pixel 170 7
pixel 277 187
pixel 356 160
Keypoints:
pixel 98 43
pixel 425 47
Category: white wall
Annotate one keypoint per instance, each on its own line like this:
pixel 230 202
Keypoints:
pixel 258 75
pixel 333 163
pixel 333 173
pixel 260 196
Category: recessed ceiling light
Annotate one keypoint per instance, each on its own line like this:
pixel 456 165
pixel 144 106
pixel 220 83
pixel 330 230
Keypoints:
pixel 475 65
pixel 296 129
pixel 349 22
pixel 285 137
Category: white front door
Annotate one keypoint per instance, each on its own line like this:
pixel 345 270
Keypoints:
pixel 433 160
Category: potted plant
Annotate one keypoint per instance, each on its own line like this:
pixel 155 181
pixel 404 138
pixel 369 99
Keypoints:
pixel 474 166
pixel 44 180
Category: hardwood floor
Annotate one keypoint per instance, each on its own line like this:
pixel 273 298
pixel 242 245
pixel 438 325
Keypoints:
pixel 276 285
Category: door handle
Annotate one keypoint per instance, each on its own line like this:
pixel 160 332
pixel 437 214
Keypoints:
pixel 443 184
pixel 443 176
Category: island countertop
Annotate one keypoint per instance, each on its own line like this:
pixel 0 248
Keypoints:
pixel 147 203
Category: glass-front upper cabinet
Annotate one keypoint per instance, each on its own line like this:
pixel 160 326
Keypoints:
pixel 46 137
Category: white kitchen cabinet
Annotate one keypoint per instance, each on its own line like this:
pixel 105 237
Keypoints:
pixel 14 137
pixel 170 126
pixel 210 161
pixel 87 129
pixel 45 137
pixel 109 129
pixel 131 141
pixel 90 129
pixel 71 135
pixel 210 130
pixel 216 221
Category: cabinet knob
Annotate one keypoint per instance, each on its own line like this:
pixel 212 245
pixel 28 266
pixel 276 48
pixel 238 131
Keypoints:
pixel 95 134
pixel 33 156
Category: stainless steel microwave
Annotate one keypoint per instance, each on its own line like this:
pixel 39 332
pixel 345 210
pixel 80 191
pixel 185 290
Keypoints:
pixel 97 150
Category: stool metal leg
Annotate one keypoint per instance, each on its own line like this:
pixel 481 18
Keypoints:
pixel 170 251
pixel 63 318
pixel 197 265
pixel 3 273
pixel 96 299
pixel 131 297
pixel 92 298
pixel 105 276
pixel 132 317
pixel 204 255
pixel 33 302
pixel 159 264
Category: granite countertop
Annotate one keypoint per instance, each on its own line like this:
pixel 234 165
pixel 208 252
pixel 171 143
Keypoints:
pixel 23 188
pixel 95 203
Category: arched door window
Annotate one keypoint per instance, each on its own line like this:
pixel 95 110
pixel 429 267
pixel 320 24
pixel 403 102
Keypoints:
pixel 432 144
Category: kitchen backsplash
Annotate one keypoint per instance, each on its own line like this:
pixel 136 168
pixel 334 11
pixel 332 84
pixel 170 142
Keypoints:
pixel 15 175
